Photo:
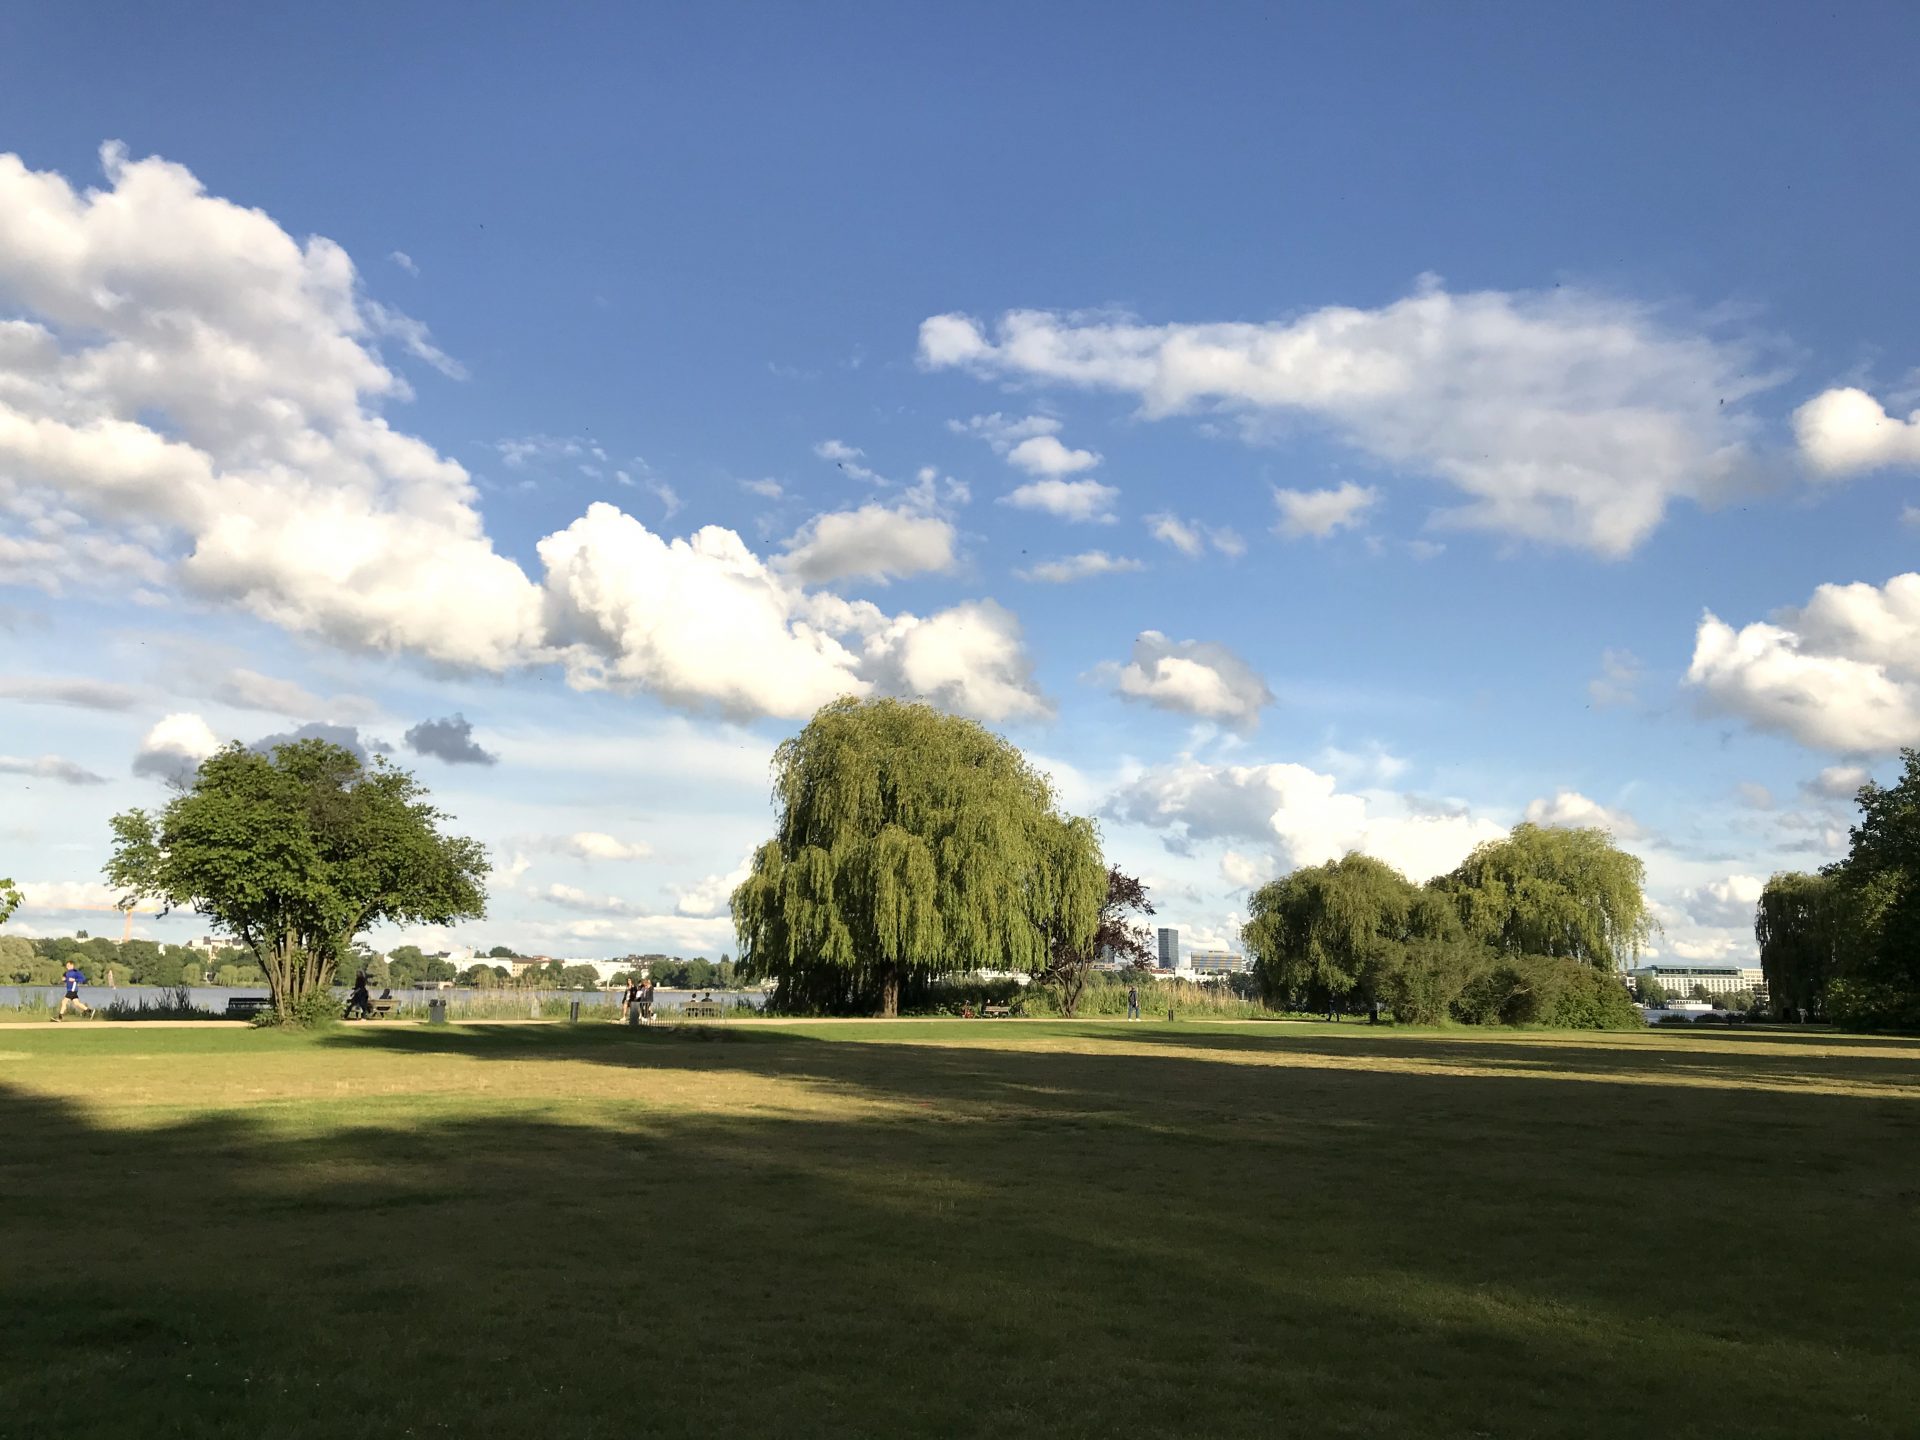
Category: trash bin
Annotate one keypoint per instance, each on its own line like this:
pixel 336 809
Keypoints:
pixel 436 1012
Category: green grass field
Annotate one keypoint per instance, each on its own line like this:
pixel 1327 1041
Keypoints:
pixel 957 1229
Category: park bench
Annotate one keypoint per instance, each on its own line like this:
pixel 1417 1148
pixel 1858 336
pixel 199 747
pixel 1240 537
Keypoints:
pixel 704 1009
pixel 997 1012
pixel 383 1008
pixel 245 1007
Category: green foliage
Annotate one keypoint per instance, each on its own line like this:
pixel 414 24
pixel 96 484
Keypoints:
pixel 1427 978
pixel 909 844
pixel 1329 932
pixel 1651 993
pixel 1115 935
pixel 315 1010
pixel 1356 931
pixel 295 854
pixel 1546 990
pixel 17 959
pixel 1549 890
pixel 1846 943
pixel 10 899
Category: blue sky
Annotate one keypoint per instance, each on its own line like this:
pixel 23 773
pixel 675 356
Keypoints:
pixel 1422 378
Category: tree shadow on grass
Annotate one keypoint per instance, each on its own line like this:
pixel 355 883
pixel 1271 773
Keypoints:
pixel 956 1240
pixel 1657 1063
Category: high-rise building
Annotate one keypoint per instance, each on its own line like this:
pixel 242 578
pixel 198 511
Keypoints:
pixel 1169 949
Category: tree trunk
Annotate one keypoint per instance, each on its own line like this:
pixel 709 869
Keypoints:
pixel 890 992
pixel 1076 981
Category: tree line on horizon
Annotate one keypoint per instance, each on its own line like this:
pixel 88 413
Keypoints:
pixel 912 846
pixel 1843 943
pixel 1531 929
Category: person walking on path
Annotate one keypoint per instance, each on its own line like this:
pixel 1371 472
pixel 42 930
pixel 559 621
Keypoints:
pixel 359 1003
pixel 1133 1001
pixel 73 980
pixel 629 999
pixel 646 1000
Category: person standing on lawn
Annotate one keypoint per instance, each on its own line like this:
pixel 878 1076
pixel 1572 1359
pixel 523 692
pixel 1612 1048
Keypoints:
pixel 73 980
pixel 1133 1002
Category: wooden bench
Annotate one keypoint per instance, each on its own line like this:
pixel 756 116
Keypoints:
pixel 383 1008
pixel 245 1007
pixel 997 1012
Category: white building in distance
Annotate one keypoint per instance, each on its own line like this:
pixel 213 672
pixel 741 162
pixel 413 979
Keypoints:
pixel 1216 962
pixel 1714 979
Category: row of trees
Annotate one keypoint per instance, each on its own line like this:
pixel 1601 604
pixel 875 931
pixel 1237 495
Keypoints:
pixel 1534 928
pixel 41 961
pixel 1844 943
pixel 910 845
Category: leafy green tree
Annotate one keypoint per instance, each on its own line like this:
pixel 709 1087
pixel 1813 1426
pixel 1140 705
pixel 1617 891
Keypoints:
pixel 295 854
pixel 406 965
pixel 1876 908
pixel 193 972
pixel 1550 890
pixel 10 899
pixel 17 959
pixel 909 844
pixel 1651 992
pixel 501 952
pixel 1798 923
pixel 1114 935
pixel 1334 931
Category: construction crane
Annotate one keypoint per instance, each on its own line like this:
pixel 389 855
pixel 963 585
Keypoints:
pixel 126 930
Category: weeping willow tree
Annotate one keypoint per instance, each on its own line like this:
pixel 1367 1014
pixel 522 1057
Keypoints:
pixel 1552 890
pixel 909 844
pixel 1798 926
pixel 1326 931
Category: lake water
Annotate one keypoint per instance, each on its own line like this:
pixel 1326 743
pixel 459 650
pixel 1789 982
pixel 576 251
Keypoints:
pixel 215 997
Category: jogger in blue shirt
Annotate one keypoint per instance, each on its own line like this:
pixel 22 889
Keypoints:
pixel 74 980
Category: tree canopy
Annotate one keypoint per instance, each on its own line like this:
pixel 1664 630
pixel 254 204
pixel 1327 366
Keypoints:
pixel 1327 930
pixel 1846 942
pixel 1529 929
pixel 909 844
pixel 296 853
pixel 1552 890
pixel 1114 936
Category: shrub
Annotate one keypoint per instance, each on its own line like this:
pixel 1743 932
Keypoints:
pixel 1425 984
pixel 315 1010
pixel 1592 1000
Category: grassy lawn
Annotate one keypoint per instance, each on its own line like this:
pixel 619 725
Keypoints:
pixel 957 1229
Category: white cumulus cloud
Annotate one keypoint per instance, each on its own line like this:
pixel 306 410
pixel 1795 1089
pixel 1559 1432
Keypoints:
pixel 193 398
pixel 874 542
pixel 1301 813
pixel 1571 809
pixel 173 749
pixel 1841 673
pixel 1084 566
pixel 1191 537
pixel 1076 500
pixel 1560 416
pixel 1195 677
pixel 1319 513
pixel 1844 431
